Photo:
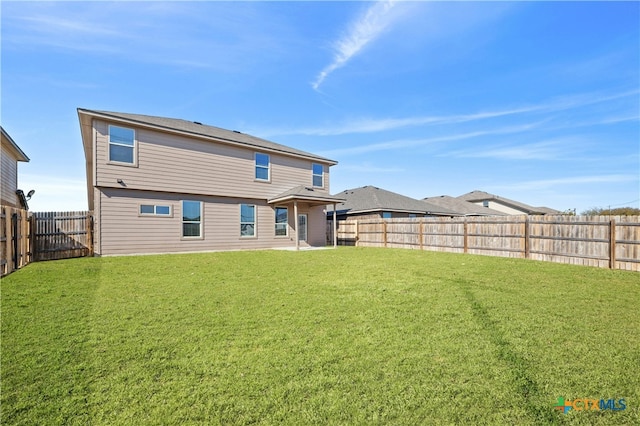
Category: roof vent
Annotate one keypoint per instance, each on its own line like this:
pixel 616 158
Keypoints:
pixel 237 131
pixel 197 122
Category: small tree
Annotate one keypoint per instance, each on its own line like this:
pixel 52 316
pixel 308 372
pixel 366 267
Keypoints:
pixel 621 211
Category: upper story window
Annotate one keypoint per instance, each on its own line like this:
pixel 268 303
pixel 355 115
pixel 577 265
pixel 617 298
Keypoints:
pixel 122 142
pixel 263 167
pixel 318 175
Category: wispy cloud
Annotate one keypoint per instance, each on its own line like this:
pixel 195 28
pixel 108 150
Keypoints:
pixel 546 150
pixel 535 185
pixel 373 125
pixel 177 34
pixel 410 143
pixel 360 33
pixel 369 168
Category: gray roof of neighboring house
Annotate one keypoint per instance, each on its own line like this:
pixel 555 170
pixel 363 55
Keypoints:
pixel 462 207
pixel 373 199
pixel 481 196
pixel 199 129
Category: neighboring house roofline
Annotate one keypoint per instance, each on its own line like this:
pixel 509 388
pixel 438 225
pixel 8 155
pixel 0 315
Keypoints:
pixel 462 207
pixel 20 155
pixel 368 199
pixel 476 195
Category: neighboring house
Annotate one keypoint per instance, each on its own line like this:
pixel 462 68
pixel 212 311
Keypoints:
pixel 370 202
pixel 462 207
pixel 162 185
pixel 504 205
pixel 11 154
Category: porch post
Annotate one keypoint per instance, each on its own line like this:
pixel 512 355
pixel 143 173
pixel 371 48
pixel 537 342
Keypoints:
pixel 295 213
pixel 335 227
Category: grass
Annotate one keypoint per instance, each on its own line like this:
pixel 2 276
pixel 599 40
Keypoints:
pixel 347 336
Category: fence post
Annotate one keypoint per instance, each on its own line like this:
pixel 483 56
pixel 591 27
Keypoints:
pixel 9 238
pixel 612 244
pixel 384 231
pixel 421 234
pixel 527 238
pixel 466 237
pixel 357 236
pixel 16 237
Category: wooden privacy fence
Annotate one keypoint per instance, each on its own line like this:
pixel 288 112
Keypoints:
pixel 26 237
pixel 15 242
pixel 602 241
pixel 62 235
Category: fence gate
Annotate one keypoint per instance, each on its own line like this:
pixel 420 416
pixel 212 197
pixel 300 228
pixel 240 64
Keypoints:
pixel 62 235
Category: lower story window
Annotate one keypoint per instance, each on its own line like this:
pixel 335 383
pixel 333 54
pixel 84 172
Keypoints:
pixel 282 221
pixel 247 220
pixel 151 209
pixel 191 219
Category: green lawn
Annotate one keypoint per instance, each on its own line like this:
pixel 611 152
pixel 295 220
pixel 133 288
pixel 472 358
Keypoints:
pixel 347 336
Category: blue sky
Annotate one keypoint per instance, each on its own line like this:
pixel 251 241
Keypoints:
pixel 535 101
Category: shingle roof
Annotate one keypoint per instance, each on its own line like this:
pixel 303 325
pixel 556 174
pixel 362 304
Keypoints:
pixel 462 207
pixel 481 196
pixel 302 192
pixel 199 129
pixel 371 198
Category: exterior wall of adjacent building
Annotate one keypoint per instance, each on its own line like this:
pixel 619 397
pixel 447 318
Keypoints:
pixel 9 177
pixel 499 207
pixel 169 169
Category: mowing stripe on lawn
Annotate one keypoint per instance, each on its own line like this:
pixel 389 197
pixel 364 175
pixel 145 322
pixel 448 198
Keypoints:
pixel 525 385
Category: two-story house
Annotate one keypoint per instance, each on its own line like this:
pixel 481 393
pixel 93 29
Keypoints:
pixel 163 185
pixel 10 155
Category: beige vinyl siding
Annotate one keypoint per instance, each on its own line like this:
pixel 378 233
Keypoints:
pixel 172 163
pixel 501 208
pixel 317 226
pixel 9 178
pixel 123 231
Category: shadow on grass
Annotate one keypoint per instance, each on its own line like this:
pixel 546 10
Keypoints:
pixel 46 352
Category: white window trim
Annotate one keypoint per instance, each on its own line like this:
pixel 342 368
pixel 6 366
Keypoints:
pixel 182 221
pixel 255 166
pixel 275 223
pixel 313 175
pixel 134 147
pixel 155 210
pixel 255 221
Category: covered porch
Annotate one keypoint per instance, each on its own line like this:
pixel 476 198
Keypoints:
pixel 303 197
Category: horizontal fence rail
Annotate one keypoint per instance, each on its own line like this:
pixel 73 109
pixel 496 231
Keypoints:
pixel 601 241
